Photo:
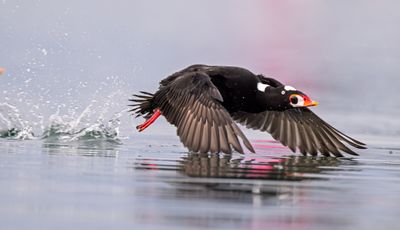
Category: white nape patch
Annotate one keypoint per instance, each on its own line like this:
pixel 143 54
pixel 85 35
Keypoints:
pixel 262 87
pixel 289 88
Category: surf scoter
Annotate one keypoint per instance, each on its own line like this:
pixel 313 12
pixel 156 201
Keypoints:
pixel 205 102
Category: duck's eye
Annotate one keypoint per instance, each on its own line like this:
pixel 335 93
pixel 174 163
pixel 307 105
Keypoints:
pixel 294 100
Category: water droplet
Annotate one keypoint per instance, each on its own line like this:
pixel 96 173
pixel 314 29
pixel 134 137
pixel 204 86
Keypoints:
pixel 44 52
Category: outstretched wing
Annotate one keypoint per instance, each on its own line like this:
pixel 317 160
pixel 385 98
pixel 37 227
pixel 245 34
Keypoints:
pixel 191 102
pixel 300 128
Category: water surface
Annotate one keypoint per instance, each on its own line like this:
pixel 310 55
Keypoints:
pixel 151 181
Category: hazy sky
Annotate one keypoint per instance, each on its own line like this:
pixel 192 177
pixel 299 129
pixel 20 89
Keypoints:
pixel 73 52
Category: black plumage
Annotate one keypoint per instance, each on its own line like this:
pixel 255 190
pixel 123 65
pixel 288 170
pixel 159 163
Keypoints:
pixel 205 102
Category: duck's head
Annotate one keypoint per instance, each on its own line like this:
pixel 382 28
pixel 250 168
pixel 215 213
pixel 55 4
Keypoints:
pixel 295 98
pixel 285 97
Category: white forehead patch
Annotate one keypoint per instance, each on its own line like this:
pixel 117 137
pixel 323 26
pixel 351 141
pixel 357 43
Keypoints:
pixel 261 86
pixel 289 88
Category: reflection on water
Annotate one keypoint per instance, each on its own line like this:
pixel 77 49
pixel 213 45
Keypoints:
pixel 246 191
pixel 247 167
pixel 282 168
pixel 206 174
pixel 89 147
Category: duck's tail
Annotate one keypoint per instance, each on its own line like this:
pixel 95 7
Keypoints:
pixel 143 104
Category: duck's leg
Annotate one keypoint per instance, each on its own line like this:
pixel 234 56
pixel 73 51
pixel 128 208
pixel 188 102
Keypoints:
pixel 149 121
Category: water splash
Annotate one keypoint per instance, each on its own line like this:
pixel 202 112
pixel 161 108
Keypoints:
pixel 12 125
pixel 90 124
pixel 68 128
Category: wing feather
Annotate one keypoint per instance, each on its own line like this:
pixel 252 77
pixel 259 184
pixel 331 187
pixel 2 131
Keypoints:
pixel 192 103
pixel 301 129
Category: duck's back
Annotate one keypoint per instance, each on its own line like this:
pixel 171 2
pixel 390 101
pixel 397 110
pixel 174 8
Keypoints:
pixel 238 87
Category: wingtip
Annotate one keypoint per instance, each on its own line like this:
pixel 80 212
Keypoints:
pixel 362 147
pixel 252 150
pixel 351 152
pixel 362 143
pixel 292 148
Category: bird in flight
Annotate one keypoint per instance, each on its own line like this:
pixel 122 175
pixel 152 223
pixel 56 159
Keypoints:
pixel 205 103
